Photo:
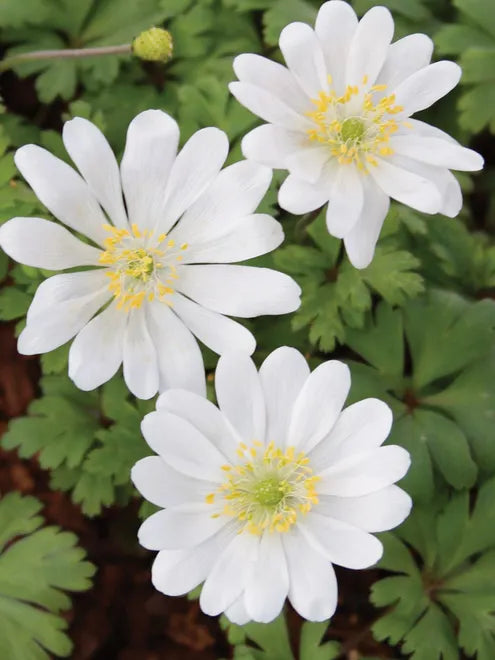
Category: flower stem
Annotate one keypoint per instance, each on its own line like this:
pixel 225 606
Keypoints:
pixel 63 54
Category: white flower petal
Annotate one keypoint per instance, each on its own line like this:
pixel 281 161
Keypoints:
pixel 176 572
pixel 282 375
pixel 406 187
pixel 96 352
pixel 335 26
pixel 436 151
pixel 423 129
pixel 376 512
pixel 369 47
pixel 272 145
pixel 196 166
pixel 313 585
pixel 179 357
pixel 426 86
pixel 346 201
pixel 182 446
pixel 361 240
pixel 268 587
pixel 308 163
pixel 64 294
pixel 62 191
pixel 319 404
pixel 363 426
pixel 150 151
pixel 204 416
pixel 230 574
pixel 243 239
pixel 405 57
pixel 304 57
pixel 273 77
pixel 445 182
pixel 365 472
pixel 267 106
pixel 94 158
pixel 235 193
pixel 298 196
pixel 243 291
pixel 58 322
pixel 240 397
pixel 237 612
pixel 43 244
pixel 339 542
pixel 179 527
pixel 162 485
pixel 452 196
pixel 140 360
pixel 216 331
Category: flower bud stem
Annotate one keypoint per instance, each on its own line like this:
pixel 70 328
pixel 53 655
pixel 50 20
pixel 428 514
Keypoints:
pixel 63 54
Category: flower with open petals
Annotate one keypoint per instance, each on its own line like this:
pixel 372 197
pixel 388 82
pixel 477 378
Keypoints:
pixel 339 122
pixel 264 493
pixel 163 231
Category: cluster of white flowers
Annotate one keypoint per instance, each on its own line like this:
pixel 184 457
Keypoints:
pixel 264 493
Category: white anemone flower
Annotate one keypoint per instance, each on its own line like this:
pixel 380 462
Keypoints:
pixel 263 494
pixel 163 231
pixel 339 122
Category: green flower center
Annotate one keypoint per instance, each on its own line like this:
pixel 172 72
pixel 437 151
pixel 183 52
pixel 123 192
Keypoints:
pixel 140 264
pixel 353 129
pixel 270 492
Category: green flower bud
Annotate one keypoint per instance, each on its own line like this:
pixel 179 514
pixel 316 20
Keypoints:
pixel 153 45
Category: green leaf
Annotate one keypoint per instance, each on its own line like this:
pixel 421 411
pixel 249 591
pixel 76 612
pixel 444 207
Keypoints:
pixel 283 12
pixel 433 439
pixel 443 404
pixel 464 331
pixel 403 284
pixel 432 637
pixel 450 588
pixel 454 258
pixel 64 429
pixel 310 647
pixel 55 362
pixel 35 572
pixel 272 639
pixel 479 11
pixel 60 79
pixel 473 41
pixel 380 342
pixel 14 303
pixel 476 108
pixel 470 401
pixel 15 14
pixel 336 296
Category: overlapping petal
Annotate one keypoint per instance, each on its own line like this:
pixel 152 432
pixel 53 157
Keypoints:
pixel 281 423
pixel 169 225
pixel 360 92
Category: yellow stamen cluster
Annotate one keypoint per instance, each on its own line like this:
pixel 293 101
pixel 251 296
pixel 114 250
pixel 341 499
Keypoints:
pixel 267 490
pixel 139 267
pixel 355 127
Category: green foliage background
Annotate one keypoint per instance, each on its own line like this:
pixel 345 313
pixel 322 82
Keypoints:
pixel 416 326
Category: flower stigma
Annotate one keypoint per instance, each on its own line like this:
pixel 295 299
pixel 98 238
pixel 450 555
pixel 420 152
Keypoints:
pixel 140 267
pixel 267 490
pixel 354 126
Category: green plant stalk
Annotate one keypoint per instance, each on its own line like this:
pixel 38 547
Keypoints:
pixel 66 53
